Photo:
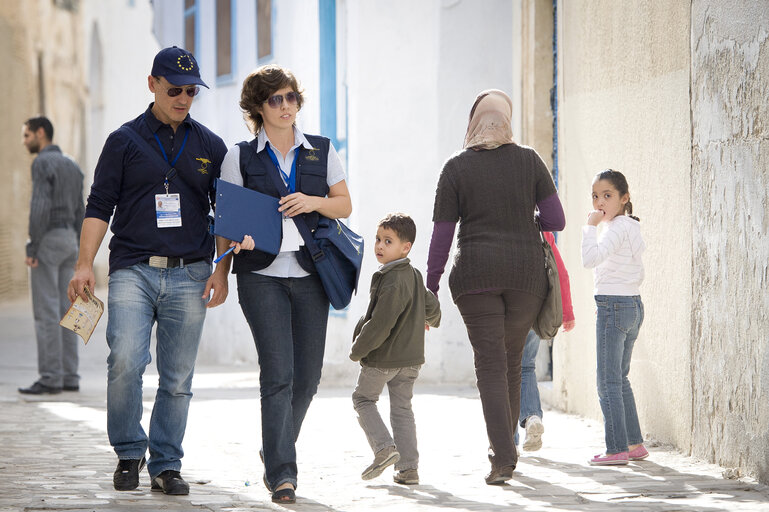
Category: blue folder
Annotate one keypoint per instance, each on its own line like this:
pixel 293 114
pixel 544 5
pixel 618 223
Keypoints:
pixel 241 211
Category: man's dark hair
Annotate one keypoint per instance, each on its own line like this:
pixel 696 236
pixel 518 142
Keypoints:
pixel 35 123
pixel 402 224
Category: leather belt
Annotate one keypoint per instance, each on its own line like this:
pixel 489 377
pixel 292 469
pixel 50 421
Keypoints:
pixel 171 261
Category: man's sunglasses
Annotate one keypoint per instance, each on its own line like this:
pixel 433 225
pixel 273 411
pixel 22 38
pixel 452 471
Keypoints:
pixel 277 100
pixel 176 91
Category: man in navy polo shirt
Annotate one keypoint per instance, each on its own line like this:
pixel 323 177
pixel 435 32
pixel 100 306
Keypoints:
pixel 156 173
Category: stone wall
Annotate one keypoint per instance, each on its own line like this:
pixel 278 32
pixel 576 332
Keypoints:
pixel 730 272
pixel 39 43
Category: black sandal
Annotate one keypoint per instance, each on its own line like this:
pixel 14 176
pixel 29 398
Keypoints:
pixel 287 495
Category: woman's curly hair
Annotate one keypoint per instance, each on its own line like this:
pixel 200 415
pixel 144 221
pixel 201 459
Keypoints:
pixel 259 86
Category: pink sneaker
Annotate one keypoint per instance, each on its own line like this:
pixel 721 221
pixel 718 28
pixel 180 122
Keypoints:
pixel 638 453
pixel 614 459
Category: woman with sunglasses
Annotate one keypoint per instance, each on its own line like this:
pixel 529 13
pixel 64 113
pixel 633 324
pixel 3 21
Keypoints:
pixel 282 296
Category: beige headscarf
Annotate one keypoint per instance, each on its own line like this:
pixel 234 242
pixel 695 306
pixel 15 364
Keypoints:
pixel 490 121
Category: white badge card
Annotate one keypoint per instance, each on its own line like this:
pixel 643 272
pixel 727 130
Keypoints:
pixel 292 240
pixel 168 210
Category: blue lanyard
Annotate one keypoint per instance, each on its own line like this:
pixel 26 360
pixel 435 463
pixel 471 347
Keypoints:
pixel 291 178
pixel 165 157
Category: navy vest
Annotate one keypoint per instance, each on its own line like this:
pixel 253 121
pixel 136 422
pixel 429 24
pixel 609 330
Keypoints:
pixel 311 172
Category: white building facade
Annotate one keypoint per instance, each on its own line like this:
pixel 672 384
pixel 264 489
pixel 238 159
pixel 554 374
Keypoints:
pixel 391 83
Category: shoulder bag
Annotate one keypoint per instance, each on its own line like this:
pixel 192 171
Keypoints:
pixel 550 316
pixel 335 249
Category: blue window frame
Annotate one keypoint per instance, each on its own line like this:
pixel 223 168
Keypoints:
pixel 328 125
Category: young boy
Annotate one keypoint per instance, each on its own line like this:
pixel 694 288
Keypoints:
pixel 389 341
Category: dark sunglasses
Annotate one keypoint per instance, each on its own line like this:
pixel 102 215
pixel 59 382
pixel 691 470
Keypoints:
pixel 176 91
pixel 277 100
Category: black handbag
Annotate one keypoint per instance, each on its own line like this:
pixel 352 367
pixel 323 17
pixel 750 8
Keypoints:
pixel 336 250
pixel 550 316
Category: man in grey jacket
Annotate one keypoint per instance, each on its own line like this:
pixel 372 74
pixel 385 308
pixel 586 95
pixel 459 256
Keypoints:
pixel 55 217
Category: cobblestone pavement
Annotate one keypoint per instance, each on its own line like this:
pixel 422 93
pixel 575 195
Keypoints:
pixel 56 456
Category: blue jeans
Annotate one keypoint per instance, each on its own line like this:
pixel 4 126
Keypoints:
pixel 288 319
pixel 618 323
pixel 140 296
pixel 530 403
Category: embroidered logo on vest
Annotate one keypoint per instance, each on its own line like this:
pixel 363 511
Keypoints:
pixel 311 156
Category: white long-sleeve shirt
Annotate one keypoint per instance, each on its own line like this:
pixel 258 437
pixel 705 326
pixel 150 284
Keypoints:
pixel 615 255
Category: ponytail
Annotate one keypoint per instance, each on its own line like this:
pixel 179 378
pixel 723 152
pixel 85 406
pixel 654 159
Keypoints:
pixel 629 211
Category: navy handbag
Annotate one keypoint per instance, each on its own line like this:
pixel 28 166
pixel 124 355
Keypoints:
pixel 336 251
pixel 338 254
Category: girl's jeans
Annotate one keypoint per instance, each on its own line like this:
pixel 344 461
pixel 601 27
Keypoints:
pixel 618 323
pixel 530 402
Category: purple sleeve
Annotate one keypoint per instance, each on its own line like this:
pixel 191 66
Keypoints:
pixel 551 216
pixel 440 244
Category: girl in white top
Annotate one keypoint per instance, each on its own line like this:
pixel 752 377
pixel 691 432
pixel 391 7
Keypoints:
pixel 615 255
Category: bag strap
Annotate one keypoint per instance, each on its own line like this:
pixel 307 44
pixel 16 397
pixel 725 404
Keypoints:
pixel 148 150
pixel 542 237
pixel 539 228
pixel 301 224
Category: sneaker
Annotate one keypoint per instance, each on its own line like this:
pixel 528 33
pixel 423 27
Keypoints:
pixel 170 482
pixel 126 477
pixel 38 388
pixel 383 458
pixel 75 387
pixel 499 476
pixel 638 453
pixel 406 477
pixel 614 459
pixel 534 431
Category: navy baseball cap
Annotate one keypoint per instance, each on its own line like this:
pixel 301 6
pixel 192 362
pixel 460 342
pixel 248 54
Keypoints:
pixel 178 66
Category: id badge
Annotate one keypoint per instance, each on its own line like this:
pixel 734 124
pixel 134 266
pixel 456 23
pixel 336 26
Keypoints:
pixel 168 210
pixel 292 240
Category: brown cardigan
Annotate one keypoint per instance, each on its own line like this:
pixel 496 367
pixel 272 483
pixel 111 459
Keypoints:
pixel 493 195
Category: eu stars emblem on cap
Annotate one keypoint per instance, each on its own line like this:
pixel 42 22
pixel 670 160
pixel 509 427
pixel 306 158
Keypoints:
pixel 178 66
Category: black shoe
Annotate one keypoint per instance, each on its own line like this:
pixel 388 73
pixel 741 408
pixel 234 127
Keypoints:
pixel 71 388
pixel 40 389
pixel 170 482
pixel 126 477
pixel 284 496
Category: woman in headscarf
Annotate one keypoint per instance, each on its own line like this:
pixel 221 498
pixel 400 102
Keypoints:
pixel 495 188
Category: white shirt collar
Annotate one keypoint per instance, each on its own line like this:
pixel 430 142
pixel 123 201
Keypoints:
pixel 299 140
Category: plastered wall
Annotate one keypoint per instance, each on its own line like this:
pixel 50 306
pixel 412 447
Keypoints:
pixel 730 154
pixel 624 104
